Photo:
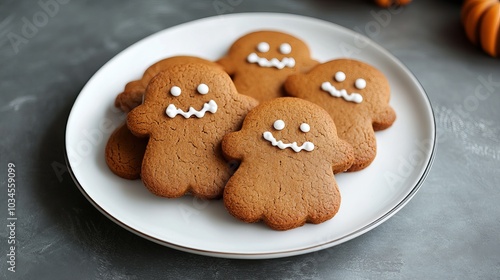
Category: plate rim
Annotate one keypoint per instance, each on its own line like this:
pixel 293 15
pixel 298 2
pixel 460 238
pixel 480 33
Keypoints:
pixel 281 253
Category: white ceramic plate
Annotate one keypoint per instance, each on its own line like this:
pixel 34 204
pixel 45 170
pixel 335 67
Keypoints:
pixel 369 197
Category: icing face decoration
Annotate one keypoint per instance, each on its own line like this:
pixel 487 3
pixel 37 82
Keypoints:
pixel 211 107
pixel 341 77
pixel 280 125
pixel 264 47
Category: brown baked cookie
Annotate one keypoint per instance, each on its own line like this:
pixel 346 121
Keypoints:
pixel 124 153
pixel 187 110
pixel 131 96
pixel 261 61
pixel 357 97
pixel 289 151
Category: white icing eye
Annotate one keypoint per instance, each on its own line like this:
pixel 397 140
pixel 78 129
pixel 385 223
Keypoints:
pixel 175 91
pixel 304 127
pixel 202 89
pixel 285 48
pixel 340 76
pixel 360 83
pixel 263 47
pixel 279 124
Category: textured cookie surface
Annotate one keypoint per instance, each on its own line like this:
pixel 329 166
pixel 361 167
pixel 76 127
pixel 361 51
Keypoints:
pixel 124 153
pixel 187 110
pixel 289 151
pixel 131 96
pixel 259 62
pixel 356 95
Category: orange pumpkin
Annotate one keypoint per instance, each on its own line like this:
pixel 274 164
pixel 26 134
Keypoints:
pixel 388 3
pixel 481 20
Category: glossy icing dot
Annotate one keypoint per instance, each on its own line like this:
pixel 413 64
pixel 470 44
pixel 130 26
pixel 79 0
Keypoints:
pixel 175 91
pixel 202 89
pixel 285 48
pixel 360 83
pixel 340 76
pixel 304 127
pixel 279 124
pixel 263 47
pixel 308 146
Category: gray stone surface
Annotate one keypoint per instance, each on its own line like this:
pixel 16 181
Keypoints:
pixel 450 229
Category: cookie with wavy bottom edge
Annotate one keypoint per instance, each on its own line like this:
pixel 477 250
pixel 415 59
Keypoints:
pixel 124 152
pixel 187 110
pixel 289 151
pixel 131 96
pixel 259 62
pixel 356 95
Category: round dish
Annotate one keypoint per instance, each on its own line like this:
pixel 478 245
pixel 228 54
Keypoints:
pixel 369 197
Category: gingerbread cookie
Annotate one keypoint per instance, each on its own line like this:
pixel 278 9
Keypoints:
pixel 131 96
pixel 124 153
pixel 261 61
pixel 187 110
pixel 289 151
pixel 356 95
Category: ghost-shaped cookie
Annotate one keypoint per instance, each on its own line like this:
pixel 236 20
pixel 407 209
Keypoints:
pixel 356 95
pixel 131 96
pixel 187 110
pixel 124 151
pixel 260 62
pixel 289 151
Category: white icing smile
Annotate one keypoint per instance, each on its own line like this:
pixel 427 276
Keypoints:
pixel 353 97
pixel 210 106
pixel 274 62
pixel 307 146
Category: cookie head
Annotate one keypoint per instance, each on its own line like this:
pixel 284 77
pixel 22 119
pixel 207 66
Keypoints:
pixel 345 83
pixel 270 49
pixel 260 62
pixel 183 94
pixel 132 95
pixel 353 81
pixel 286 127
pixel 293 126
pixel 189 91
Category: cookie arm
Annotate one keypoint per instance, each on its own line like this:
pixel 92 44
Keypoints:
pixel 308 65
pixel 227 65
pixel 292 85
pixel 344 154
pixel 231 146
pixel 245 104
pixel 138 122
pixel 384 119
pixel 131 96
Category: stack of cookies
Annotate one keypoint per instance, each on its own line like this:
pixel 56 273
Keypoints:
pixel 265 127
